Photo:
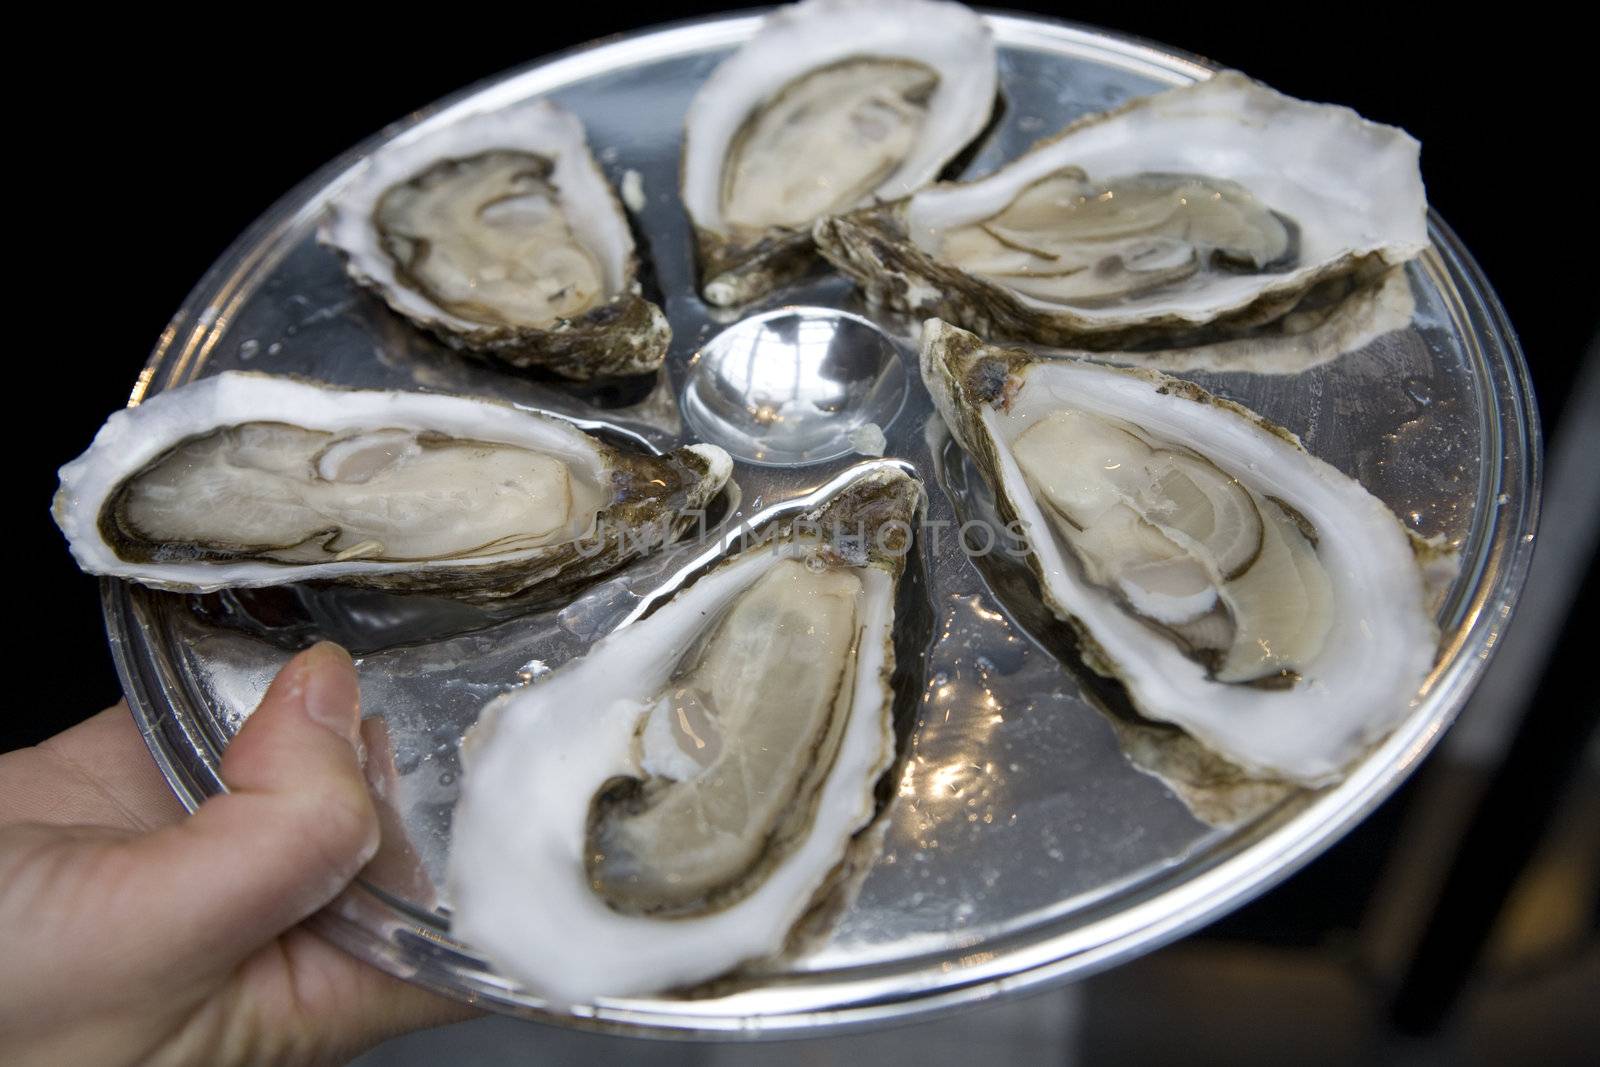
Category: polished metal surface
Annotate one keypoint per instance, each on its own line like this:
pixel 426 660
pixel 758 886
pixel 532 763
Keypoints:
pixel 796 385
pixel 1022 847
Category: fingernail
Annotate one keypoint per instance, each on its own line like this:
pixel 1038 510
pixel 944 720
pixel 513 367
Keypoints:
pixel 332 694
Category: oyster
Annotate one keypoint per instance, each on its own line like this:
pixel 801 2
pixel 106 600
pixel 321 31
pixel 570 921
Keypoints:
pixel 252 480
pixel 498 233
pixel 833 104
pixel 1218 204
pixel 670 805
pixel 1237 586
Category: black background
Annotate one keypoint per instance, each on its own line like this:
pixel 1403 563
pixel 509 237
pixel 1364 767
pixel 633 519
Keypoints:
pixel 153 144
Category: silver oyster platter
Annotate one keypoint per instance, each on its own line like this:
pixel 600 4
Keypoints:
pixel 1022 846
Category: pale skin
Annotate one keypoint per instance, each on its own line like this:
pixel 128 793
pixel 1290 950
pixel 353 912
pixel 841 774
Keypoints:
pixel 136 934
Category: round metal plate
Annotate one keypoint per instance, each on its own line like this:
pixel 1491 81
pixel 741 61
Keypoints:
pixel 1023 847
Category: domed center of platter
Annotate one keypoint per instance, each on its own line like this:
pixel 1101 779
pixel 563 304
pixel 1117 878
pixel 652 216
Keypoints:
pixel 795 385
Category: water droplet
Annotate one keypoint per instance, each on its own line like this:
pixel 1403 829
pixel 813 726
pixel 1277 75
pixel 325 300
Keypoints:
pixel 447 778
pixel 248 349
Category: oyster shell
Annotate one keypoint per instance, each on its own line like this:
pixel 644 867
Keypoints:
pixel 1218 204
pixel 1335 318
pixel 252 480
pixel 499 233
pixel 1236 585
pixel 670 805
pixel 833 104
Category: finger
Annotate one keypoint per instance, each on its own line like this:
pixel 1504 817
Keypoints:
pixel 355 1006
pixel 98 773
pixel 294 828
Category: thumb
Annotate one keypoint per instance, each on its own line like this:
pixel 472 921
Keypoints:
pixel 295 826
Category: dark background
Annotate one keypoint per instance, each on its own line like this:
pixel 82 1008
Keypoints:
pixel 194 131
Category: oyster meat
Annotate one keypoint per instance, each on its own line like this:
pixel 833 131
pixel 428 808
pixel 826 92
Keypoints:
pixel 667 807
pixel 833 104
pixel 498 232
pixel 1218 204
pixel 253 480
pixel 1236 585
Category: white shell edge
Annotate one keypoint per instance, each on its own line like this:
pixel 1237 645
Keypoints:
pixel 1384 640
pixel 949 37
pixel 518 887
pixel 1359 180
pixel 133 437
pixel 536 125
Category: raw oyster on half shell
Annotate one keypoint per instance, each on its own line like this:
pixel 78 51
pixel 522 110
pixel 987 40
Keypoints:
pixel 1237 586
pixel 243 480
pixel 832 105
pixel 1215 205
pixel 670 805
pixel 498 233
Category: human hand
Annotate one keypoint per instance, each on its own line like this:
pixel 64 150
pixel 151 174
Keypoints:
pixel 136 934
